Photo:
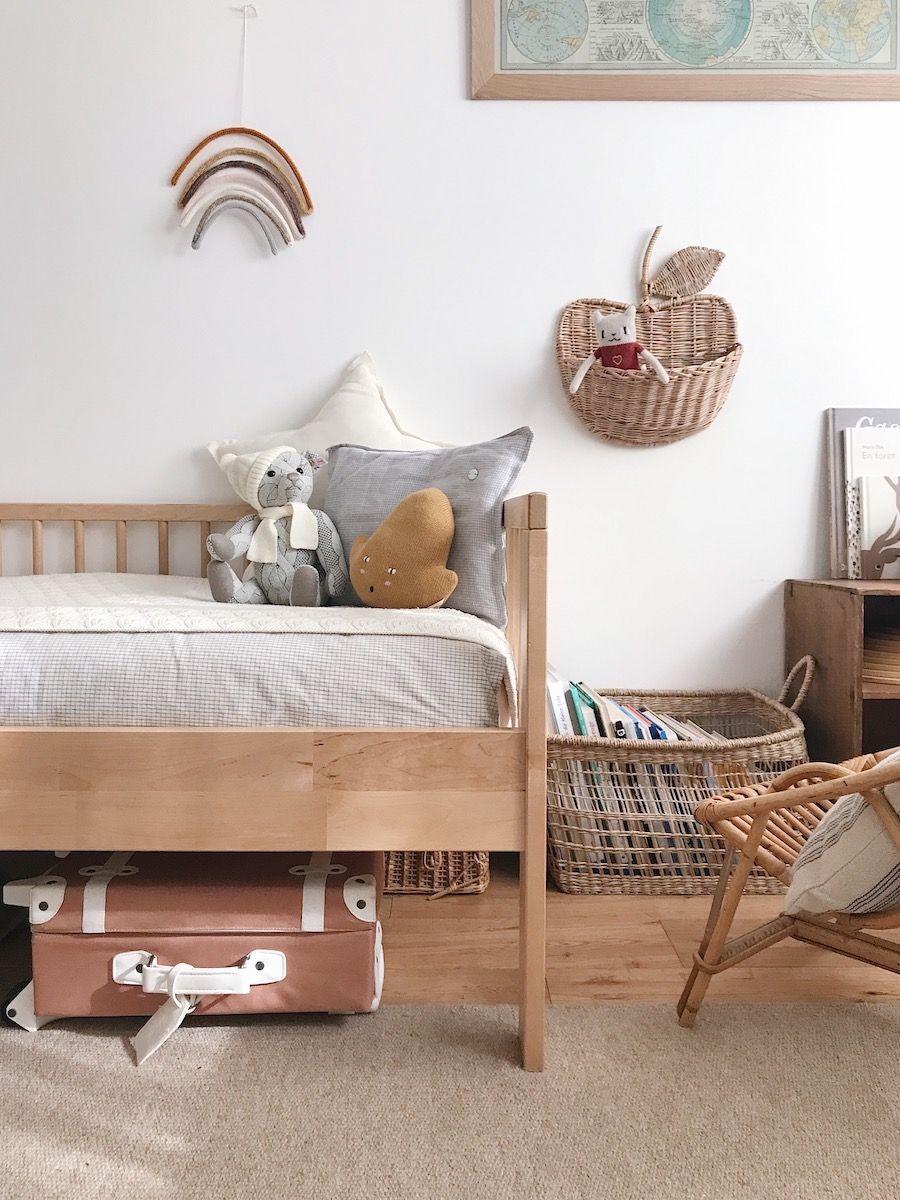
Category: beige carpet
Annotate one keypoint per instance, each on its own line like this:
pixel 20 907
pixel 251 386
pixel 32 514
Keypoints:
pixel 788 1102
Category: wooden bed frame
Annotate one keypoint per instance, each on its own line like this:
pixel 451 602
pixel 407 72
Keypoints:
pixel 139 788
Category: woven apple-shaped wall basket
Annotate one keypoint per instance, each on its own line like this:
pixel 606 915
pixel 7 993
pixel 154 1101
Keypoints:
pixel 693 336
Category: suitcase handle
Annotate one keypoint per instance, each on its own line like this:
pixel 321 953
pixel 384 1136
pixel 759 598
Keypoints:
pixel 140 967
pixel 184 984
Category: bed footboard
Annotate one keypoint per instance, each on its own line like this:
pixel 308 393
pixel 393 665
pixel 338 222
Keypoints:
pixel 260 789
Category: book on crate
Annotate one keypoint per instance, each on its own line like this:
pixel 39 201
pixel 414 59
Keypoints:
pixel 860 443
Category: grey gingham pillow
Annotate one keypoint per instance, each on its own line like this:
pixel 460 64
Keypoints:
pixel 366 485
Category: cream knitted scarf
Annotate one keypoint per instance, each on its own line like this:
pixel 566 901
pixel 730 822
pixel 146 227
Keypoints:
pixel 304 532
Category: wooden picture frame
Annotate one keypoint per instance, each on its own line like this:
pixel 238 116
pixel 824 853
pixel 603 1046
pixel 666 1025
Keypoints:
pixel 491 80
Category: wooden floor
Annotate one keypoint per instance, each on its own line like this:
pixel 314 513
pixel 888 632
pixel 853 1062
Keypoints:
pixel 462 949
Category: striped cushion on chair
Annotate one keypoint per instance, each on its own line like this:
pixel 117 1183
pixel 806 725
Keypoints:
pixel 850 864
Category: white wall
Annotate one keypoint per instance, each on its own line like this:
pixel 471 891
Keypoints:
pixel 447 236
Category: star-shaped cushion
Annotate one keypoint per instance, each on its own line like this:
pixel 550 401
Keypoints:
pixel 357 413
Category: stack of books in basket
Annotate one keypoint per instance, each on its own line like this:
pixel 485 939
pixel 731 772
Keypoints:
pixel 577 710
pixel 620 802
pixel 619 782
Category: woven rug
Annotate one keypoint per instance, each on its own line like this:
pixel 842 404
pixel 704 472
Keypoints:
pixel 427 1104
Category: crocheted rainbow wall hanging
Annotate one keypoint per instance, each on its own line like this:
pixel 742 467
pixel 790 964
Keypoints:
pixel 254 175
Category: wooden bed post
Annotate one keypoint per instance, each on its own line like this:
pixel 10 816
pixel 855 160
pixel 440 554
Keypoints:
pixel 526 530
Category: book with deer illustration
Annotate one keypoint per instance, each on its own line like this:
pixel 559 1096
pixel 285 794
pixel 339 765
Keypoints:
pixel 848 461
pixel 842 481
pixel 879 526
pixel 870 453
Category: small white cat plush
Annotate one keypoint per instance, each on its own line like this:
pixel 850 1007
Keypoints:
pixel 619 347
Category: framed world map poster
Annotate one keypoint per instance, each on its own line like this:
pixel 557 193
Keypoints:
pixel 685 50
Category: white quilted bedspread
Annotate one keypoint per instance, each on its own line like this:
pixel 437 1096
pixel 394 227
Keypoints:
pixel 108 603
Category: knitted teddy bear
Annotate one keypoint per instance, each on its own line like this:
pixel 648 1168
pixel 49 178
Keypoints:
pixel 292 549
pixel 618 347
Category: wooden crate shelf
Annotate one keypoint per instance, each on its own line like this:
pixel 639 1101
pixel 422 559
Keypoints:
pixel 829 619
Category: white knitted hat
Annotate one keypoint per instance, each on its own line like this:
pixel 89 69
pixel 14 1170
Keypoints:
pixel 245 471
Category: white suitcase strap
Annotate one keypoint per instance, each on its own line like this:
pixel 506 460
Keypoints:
pixel 93 911
pixel 184 984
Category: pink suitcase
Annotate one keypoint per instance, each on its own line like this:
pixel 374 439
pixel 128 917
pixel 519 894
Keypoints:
pixel 173 934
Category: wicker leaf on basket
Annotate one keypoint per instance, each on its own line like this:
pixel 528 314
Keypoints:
pixel 687 272
pixel 694 336
pixel 620 812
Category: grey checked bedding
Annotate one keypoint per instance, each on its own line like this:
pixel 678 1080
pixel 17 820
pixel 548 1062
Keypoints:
pixel 155 650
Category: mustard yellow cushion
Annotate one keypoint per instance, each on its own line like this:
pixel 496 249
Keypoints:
pixel 403 564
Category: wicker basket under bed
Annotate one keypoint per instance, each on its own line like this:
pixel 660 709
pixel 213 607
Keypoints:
pixel 436 873
pixel 620 813
pixel 695 338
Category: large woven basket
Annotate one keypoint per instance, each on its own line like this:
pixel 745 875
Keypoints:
pixel 695 338
pixel 620 813
pixel 435 873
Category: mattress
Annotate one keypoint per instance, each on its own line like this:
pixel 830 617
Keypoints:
pixel 103 649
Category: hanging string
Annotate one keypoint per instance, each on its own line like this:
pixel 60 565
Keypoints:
pixel 247 11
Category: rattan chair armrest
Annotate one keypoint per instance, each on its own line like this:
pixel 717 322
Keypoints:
pixel 812 772
pixel 724 808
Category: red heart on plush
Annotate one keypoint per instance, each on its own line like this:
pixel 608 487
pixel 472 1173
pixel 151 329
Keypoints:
pixel 617 360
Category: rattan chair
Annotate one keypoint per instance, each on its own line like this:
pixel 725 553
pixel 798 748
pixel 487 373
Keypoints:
pixel 767 825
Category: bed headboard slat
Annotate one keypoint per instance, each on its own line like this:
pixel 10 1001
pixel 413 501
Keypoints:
pixel 121 546
pixel 164 516
pixel 37 547
pixel 205 530
pixel 78 546
pixel 162 532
